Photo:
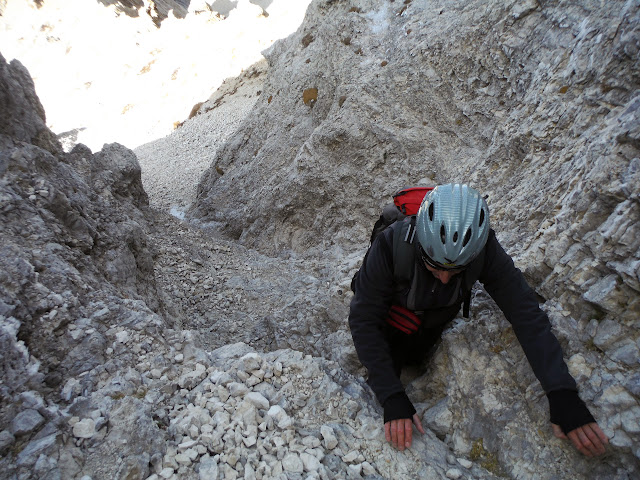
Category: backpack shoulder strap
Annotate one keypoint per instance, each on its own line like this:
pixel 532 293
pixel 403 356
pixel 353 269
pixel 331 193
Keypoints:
pixel 403 250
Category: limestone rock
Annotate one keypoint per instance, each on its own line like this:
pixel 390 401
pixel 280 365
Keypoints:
pixel 84 428
pixel 26 422
pixel 6 440
pixel 22 116
pixel 536 105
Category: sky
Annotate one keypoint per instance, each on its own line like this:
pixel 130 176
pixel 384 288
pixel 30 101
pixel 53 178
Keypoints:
pixel 108 77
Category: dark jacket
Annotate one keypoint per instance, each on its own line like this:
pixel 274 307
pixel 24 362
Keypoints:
pixel 376 291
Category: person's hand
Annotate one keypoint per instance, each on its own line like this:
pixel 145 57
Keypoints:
pixel 588 439
pixel 399 432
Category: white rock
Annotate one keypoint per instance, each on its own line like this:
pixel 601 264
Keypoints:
pixel 238 389
pixel 249 441
pixel 248 413
pixel 122 337
pixel 292 463
pixel 208 468
pixel 221 420
pixel 276 468
pixel 249 472
pixel 617 395
pixel 454 473
pixel 280 417
pixel 251 361
pixel 465 463
pixel 631 420
pixel 223 393
pixel 252 381
pixel 310 462
pixel 368 469
pixel 330 440
pixel 187 445
pixel 206 428
pixel 310 442
pixel 190 379
pixel 84 428
pixel 257 399
pixel 439 418
pixel 166 472
pixel 351 457
pixel 183 459
pixel 191 454
pixel 356 469
pixel 621 439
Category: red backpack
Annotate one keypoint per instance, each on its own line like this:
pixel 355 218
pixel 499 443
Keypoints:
pixel 406 203
pixel 409 199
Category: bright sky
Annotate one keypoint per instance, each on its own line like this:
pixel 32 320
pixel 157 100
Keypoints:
pixel 123 80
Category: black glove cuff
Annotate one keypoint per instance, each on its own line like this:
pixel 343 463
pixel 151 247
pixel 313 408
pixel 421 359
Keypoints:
pixel 398 406
pixel 568 410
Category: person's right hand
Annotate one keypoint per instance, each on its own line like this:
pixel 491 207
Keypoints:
pixel 589 439
pixel 399 432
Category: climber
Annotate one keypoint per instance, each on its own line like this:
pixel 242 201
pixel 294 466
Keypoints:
pixel 395 322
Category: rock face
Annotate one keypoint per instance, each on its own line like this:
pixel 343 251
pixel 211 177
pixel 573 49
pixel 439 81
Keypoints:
pixel 159 10
pixel 74 262
pixel 535 104
pixel 78 215
pixel 22 116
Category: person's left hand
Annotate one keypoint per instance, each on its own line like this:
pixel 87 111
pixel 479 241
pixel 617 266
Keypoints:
pixel 589 439
pixel 399 433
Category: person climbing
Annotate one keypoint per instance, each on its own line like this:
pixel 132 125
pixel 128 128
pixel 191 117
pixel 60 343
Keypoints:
pixel 396 319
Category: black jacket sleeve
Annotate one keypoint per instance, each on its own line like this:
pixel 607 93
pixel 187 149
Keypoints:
pixel 507 286
pixel 369 307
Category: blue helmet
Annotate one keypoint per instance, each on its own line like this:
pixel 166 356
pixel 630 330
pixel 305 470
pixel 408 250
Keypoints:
pixel 452 226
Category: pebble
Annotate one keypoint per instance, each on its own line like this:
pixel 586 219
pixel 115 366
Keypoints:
pixel 237 389
pixel 258 400
pixel 310 462
pixel 251 361
pixel 454 474
pixel 84 428
pixel 122 337
pixel 368 469
pixel 183 459
pixel 279 416
pixel 351 457
pixel 330 440
pixel 167 472
pixel 292 463
pixel 356 469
